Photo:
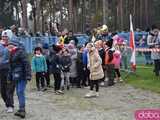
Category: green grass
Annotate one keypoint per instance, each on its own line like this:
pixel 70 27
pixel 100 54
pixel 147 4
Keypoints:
pixel 143 78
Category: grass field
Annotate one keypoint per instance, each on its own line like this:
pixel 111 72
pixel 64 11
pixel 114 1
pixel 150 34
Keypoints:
pixel 143 78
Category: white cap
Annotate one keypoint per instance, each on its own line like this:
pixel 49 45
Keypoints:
pixel 7 33
pixel 104 27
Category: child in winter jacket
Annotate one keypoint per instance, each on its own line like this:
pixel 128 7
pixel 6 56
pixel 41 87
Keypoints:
pixel 39 66
pixel 65 63
pixel 73 69
pixel 117 62
pixel 96 71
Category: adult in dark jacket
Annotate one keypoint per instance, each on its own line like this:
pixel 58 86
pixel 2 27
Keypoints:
pixel 20 73
pixel 70 37
pixel 7 89
pixel 55 68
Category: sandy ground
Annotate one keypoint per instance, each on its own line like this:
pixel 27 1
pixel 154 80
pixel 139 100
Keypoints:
pixel 115 103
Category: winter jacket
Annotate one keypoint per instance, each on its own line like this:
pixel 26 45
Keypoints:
pixel 85 57
pixel 19 68
pixel 54 62
pixel 101 52
pixel 117 59
pixel 80 65
pixel 95 67
pixel 109 56
pixel 65 63
pixel 154 42
pixel 73 68
pixel 46 53
pixel 39 64
pixel 4 57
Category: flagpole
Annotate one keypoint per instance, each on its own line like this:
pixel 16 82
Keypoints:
pixel 132 46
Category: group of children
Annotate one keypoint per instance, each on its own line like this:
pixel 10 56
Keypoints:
pixel 71 65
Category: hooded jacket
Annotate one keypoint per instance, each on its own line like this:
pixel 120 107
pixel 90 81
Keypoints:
pixel 95 66
pixel 19 68
pixel 4 57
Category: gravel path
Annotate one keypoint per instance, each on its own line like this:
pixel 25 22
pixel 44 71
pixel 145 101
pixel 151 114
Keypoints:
pixel 115 103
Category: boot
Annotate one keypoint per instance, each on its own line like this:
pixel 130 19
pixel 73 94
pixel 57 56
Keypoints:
pixel 20 113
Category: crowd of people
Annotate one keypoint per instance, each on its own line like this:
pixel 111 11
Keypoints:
pixel 90 65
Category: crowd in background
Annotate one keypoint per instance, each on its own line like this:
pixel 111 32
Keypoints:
pixel 97 62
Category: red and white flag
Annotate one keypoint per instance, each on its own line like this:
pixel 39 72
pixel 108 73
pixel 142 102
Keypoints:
pixel 132 46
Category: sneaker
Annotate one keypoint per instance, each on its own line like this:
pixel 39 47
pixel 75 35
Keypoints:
pixel 97 94
pixel 121 80
pixel 62 88
pixel 59 91
pixel 10 110
pixel 44 89
pixel 90 94
pixel 102 83
pixel 20 114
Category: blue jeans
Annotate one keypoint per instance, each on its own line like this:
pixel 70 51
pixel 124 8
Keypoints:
pixel 20 89
pixel 148 59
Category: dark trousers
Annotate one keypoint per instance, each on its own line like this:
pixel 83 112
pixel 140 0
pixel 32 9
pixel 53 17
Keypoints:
pixel 117 72
pixel 80 80
pixel 94 83
pixel 57 83
pixel 73 81
pixel 157 67
pixel 40 79
pixel 86 80
pixel 47 77
pixel 7 89
pixel 110 74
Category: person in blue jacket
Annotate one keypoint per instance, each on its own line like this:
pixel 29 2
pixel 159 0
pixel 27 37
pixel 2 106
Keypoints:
pixel 20 73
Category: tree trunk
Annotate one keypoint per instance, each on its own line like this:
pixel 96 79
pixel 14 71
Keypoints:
pixel 38 14
pixel 105 5
pixel 71 14
pixel 42 15
pixel 141 12
pixel 121 14
pixel 83 14
pixel 146 13
pixel 24 14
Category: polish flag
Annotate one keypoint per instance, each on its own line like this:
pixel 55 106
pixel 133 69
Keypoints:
pixel 132 46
